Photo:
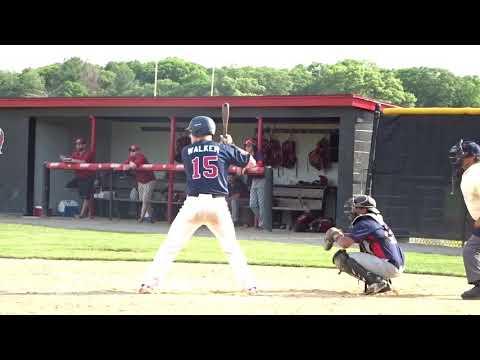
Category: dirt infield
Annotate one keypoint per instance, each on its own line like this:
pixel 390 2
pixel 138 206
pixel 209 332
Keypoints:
pixel 101 287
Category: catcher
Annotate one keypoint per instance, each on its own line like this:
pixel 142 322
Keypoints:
pixel 380 258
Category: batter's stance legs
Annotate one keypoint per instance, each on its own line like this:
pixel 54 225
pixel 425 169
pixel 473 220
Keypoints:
pixel 224 231
pixel 188 220
pixel 180 232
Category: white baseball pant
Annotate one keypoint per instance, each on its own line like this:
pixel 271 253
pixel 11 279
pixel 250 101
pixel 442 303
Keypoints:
pixel 195 212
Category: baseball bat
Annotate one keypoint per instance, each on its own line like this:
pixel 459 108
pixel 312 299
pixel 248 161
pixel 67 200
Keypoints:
pixel 225 117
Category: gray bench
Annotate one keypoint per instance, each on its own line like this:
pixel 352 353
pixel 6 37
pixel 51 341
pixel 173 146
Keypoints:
pixel 298 198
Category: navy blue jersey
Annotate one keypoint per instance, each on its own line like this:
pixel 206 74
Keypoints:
pixel 206 166
pixel 376 238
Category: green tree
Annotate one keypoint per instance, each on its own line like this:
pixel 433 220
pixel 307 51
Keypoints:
pixel 362 78
pixel 72 89
pixel 9 84
pixel 185 78
pixel 74 76
pixel 30 83
pixel 237 82
pixel 123 82
pixel 51 76
pixel 431 86
pixel 467 92
pixel 301 79
pixel 144 72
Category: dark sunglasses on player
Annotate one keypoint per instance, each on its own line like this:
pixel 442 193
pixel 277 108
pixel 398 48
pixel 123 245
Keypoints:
pixel 132 150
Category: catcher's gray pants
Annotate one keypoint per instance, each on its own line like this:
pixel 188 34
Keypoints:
pixel 471 259
pixel 257 197
pixel 376 265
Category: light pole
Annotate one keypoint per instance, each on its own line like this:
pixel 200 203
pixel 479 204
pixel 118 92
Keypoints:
pixel 213 76
pixel 155 86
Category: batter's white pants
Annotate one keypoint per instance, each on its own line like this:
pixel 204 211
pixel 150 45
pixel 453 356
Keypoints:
pixel 195 212
pixel 376 265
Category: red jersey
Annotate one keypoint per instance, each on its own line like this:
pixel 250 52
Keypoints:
pixel 86 156
pixel 141 176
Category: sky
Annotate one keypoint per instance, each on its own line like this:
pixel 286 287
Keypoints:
pixel 459 59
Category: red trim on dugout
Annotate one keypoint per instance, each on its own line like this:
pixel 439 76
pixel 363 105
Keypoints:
pixel 207 102
pixel 147 167
pixel 93 135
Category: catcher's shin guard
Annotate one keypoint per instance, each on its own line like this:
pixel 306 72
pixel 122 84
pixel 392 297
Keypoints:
pixel 346 264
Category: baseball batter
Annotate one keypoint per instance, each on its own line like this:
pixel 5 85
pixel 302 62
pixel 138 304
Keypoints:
pixel 465 157
pixel 206 167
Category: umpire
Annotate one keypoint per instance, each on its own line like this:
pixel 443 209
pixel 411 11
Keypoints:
pixel 465 159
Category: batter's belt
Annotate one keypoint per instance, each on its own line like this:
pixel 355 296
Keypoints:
pixel 212 195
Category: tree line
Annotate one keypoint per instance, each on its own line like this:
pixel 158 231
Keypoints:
pixel 416 86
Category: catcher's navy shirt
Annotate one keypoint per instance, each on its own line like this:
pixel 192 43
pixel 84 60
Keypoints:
pixel 377 241
pixel 206 166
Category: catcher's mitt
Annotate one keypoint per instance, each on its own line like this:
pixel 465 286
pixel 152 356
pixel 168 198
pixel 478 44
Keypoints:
pixel 331 236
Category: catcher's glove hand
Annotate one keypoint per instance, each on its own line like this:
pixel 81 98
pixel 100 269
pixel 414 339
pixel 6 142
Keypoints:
pixel 331 236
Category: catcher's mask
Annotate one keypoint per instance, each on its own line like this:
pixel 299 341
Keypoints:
pixel 460 151
pixel 359 202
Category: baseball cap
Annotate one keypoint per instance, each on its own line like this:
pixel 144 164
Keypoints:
pixel 250 141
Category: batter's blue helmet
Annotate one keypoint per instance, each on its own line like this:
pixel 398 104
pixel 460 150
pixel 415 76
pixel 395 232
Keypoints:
pixel 463 149
pixel 201 126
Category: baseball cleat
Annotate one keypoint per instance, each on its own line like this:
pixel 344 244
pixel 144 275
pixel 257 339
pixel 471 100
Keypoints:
pixel 145 289
pixel 377 288
pixel 251 291
pixel 472 294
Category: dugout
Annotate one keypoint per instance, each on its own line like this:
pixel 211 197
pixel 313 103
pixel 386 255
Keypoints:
pixel 412 176
pixel 37 130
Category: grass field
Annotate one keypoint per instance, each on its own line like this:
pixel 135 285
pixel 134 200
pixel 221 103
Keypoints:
pixel 27 241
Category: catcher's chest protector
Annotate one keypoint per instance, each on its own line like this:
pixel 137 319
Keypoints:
pixel 289 154
pixel 388 233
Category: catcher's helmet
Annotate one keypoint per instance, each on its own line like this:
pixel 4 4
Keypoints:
pixel 461 150
pixel 360 201
pixel 201 126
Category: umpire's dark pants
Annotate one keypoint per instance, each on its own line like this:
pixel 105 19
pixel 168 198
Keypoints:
pixel 471 259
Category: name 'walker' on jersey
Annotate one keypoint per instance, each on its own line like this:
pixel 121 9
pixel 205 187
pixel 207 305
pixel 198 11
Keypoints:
pixel 206 166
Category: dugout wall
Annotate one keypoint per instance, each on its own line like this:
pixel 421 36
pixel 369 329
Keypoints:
pixel 411 172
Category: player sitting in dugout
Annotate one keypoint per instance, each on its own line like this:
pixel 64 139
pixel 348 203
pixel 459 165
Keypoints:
pixel 380 258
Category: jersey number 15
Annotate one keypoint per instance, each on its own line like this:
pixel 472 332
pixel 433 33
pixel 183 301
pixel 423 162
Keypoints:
pixel 210 170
